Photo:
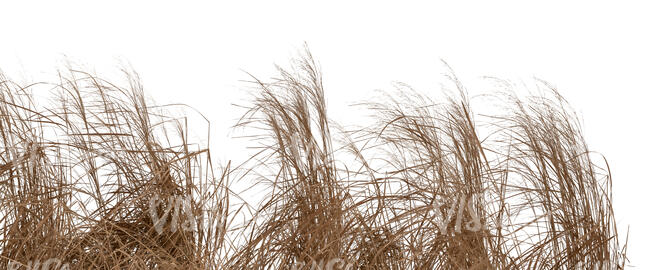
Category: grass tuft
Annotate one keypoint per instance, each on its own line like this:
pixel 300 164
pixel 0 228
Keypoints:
pixel 99 178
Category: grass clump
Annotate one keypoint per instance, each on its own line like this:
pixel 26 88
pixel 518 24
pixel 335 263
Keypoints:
pixel 79 180
pixel 100 178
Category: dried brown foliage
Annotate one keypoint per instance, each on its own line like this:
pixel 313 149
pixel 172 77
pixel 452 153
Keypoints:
pixel 78 178
pixel 86 180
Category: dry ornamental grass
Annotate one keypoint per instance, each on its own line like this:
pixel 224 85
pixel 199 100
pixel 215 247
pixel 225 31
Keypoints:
pixel 99 178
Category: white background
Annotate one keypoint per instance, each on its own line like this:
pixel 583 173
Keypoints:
pixel 196 53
